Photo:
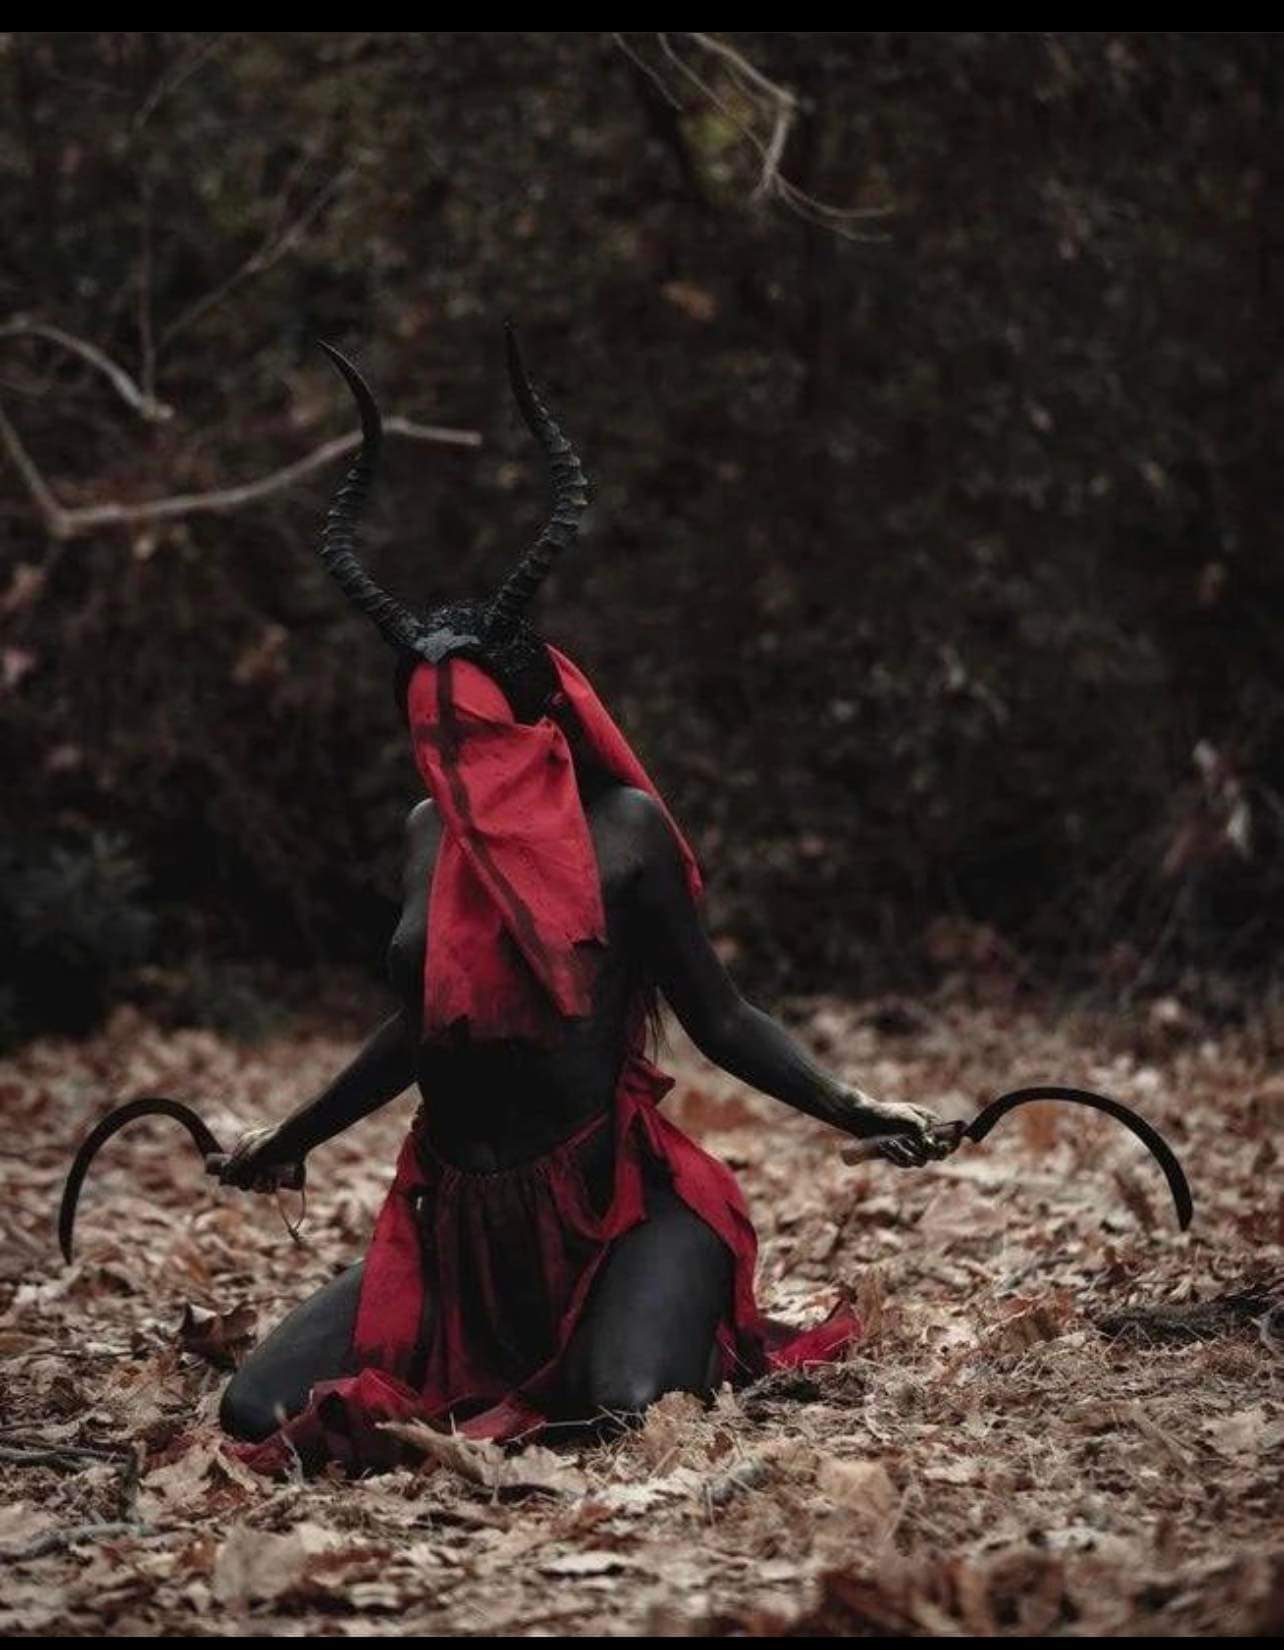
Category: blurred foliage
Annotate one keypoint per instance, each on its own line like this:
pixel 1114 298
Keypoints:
pixel 72 921
pixel 927 546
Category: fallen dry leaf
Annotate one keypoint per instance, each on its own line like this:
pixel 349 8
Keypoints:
pixel 254 1566
pixel 587 1563
pixel 861 1488
pixel 487 1465
pixel 221 1338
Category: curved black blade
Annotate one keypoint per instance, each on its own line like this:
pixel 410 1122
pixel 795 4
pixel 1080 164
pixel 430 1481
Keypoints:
pixel 1150 1137
pixel 102 1131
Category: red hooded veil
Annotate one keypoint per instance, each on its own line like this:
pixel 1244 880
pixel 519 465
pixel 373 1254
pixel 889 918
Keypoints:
pixel 515 921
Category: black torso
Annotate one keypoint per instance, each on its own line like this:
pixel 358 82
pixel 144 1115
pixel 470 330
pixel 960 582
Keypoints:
pixel 489 1105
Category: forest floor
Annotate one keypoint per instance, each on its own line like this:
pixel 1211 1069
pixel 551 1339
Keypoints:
pixel 989 1461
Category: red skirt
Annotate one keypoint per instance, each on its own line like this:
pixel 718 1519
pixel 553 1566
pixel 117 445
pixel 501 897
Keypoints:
pixel 507 1260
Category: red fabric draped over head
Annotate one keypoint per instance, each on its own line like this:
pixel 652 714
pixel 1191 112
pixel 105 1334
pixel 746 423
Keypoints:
pixel 515 921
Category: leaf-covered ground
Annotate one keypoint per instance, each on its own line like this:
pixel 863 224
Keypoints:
pixel 990 1461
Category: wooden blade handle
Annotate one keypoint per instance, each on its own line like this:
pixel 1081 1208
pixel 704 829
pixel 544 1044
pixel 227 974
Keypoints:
pixel 864 1151
pixel 290 1177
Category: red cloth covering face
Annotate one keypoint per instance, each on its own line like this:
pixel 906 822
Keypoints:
pixel 515 921
pixel 506 1261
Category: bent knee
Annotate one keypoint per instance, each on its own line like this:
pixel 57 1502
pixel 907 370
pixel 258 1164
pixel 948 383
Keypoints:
pixel 626 1395
pixel 246 1412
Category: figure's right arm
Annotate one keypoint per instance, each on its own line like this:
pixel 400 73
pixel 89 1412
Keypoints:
pixel 268 1157
pixel 383 1069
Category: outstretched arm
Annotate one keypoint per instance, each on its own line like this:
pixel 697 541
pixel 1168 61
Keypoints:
pixel 733 1033
pixel 383 1069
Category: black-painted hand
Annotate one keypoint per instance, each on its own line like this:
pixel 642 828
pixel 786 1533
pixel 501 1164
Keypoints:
pixel 256 1164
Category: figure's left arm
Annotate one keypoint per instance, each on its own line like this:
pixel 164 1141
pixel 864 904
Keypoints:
pixel 741 1038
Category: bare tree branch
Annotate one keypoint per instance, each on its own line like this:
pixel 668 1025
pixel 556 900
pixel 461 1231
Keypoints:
pixel 780 106
pixel 744 70
pixel 146 331
pixel 63 524
pixel 146 406
pixel 53 1541
pixel 274 246
pixel 771 105
pixel 51 512
pixel 640 63
pixel 770 177
pixel 176 74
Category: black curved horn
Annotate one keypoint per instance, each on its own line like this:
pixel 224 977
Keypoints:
pixel 338 549
pixel 570 496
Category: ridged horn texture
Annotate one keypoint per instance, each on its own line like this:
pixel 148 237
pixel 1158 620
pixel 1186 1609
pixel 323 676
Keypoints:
pixel 338 550
pixel 570 496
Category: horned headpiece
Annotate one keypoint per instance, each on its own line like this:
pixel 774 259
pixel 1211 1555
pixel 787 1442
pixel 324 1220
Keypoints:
pixel 494 633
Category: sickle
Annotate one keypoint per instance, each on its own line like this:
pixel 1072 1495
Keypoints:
pixel 103 1130
pixel 988 1116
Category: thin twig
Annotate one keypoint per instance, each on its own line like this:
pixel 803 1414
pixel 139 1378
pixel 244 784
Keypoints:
pixel 56 1455
pixel 146 332
pixel 274 246
pixel 778 104
pixel 641 64
pixel 780 98
pixel 131 1471
pixel 56 1540
pixel 743 67
pixel 769 179
pixel 145 405
pixel 64 524
pixel 175 75
pixel 52 513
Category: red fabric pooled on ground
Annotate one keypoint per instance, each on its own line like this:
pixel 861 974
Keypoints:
pixel 475 1243
pixel 515 933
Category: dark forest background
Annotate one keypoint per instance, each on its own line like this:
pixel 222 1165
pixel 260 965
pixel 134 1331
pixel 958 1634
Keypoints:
pixel 929 385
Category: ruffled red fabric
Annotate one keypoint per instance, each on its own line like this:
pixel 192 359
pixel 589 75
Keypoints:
pixel 508 1261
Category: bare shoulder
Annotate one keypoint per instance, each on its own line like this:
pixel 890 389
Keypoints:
pixel 639 825
pixel 423 830
pixel 629 809
pixel 420 818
